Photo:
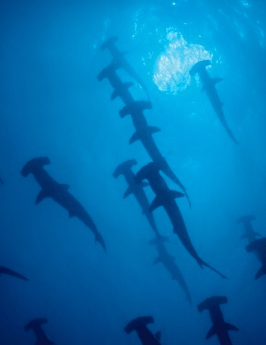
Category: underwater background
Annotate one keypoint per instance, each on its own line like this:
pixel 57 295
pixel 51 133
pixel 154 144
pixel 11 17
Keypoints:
pixel 53 105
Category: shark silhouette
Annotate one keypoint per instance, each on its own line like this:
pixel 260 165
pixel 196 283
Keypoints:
pixel 144 133
pixel 166 198
pixel 59 193
pixel 136 189
pixel 8 271
pixel 211 92
pixel 249 233
pixel 168 261
pixel 120 88
pixel 259 247
pixel 220 327
pixel 119 57
pixel 140 326
pixel 35 325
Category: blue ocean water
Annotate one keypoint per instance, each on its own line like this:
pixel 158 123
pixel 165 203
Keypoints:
pixel 53 105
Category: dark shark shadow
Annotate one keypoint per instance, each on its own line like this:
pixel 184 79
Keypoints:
pixel 220 327
pixel 139 325
pixel 36 326
pixel 119 58
pixel 259 248
pixel 249 233
pixel 59 193
pixel 166 198
pixel 168 261
pixel 8 271
pixel 208 85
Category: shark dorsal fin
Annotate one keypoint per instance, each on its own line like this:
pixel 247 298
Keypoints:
pixel 260 272
pixel 211 333
pixel 128 191
pixel 157 260
pixel 153 129
pixel 230 327
pixel 216 80
pixel 157 202
pixel 134 138
pixel 41 196
pixel 175 194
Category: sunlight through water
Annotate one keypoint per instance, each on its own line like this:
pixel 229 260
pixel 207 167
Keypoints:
pixel 173 65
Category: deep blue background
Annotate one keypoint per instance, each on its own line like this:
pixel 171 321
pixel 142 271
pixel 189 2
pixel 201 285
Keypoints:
pixel 52 104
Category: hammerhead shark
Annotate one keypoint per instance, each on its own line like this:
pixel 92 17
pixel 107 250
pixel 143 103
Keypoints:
pixel 166 198
pixel 259 247
pixel 136 189
pixel 249 233
pixel 119 58
pixel 59 193
pixel 168 261
pixel 8 271
pixel 220 327
pixel 211 92
pixel 36 326
pixel 140 326
pixel 144 133
pixel 120 88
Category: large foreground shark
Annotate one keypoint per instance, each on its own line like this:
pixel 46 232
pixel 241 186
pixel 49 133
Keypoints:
pixel 36 326
pixel 220 327
pixel 140 326
pixel 166 198
pixel 259 247
pixel 208 85
pixel 120 59
pixel 144 133
pixel 249 233
pixel 8 271
pixel 168 261
pixel 59 193
pixel 136 189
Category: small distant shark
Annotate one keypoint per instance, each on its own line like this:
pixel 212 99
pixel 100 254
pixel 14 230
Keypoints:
pixel 59 193
pixel 140 326
pixel 259 247
pixel 8 271
pixel 120 88
pixel 120 59
pixel 211 92
pixel 220 327
pixel 249 233
pixel 136 189
pixel 166 198
pixel 144 133
pixel 168 261
pixel 35 325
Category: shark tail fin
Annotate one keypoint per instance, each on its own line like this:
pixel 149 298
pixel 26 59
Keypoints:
pixel 203 263
pixel 261 272
pixel 99 238
pixel 223 327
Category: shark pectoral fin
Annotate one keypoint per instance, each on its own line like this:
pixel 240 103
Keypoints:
pixel 41 196
pixel 144 184
pixel 158 335
pixel 157 260
pixel 211 333
pixel 153 129
pixel 216 80
pixel 124 111
pixel 127 192
pixel 134 138
pixel 260 272
pixel 230 327
pixel 175 194
pixel 157 202
pixel 64 186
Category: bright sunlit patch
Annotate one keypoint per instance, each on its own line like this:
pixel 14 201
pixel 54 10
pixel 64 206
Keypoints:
pixel 173 65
